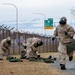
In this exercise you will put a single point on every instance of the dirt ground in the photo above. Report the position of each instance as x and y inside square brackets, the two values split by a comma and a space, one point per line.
[29, 67]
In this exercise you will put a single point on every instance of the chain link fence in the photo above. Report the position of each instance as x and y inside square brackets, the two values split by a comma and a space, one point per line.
[19, 37]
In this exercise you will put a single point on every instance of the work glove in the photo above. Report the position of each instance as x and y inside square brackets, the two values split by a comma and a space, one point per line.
[66, 33]
[38, 56]
[53, 38]
[25, 47]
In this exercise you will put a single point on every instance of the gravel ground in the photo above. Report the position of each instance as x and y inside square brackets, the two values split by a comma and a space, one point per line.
[33, 68]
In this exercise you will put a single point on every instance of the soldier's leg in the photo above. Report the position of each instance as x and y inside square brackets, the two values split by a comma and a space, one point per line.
[34, 54]
[62, 55]
[38, 55]
[22, 53]
[70, 56]
[7, 53]
[29, 53]
[1, 55]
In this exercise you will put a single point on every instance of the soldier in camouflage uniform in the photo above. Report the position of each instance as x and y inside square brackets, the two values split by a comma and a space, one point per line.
[4, 48]
[65, 35]
[32, 47]
[23, 52]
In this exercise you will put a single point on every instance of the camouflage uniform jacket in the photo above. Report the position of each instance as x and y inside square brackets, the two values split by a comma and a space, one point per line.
[31, 42]
[59, 31]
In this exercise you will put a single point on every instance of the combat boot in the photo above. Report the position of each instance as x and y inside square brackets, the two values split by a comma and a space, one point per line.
[70, 58]
[62, 66]
[1, 59]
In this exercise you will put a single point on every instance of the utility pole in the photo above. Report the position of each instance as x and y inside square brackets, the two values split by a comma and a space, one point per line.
[16, 13]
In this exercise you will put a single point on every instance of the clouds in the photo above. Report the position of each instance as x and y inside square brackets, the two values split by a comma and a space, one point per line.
[31, 3]
[33, 23]
[27, 20]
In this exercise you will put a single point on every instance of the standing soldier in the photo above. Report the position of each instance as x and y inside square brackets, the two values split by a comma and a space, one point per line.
[65, 35]
[5, 44]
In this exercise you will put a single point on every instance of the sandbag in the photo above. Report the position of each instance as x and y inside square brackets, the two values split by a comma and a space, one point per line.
[49, 59]
[14, 59]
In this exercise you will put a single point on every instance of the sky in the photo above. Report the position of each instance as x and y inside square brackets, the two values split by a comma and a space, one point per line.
[32, 13]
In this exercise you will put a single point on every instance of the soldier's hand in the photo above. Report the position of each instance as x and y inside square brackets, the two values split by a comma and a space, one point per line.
[53, 38]
[25, 47]
[65, 33]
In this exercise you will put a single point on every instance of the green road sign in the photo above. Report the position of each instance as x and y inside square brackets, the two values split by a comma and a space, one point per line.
[48, 24]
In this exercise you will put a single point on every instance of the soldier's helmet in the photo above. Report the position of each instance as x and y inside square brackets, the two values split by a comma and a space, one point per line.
[63, 20]
[8, 39]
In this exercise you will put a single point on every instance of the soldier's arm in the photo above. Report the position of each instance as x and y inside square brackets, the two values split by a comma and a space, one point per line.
[56, 32]
[32, 45]
[33, 48]
[8, 50]
[71, 32]
[3, 48]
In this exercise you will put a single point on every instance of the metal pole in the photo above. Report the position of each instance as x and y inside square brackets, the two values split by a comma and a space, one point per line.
[16, 13]
[43, 16]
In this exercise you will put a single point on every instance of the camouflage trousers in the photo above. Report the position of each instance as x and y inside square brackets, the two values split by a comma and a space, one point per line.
[63, 52]
[4, 53]
[31, 53]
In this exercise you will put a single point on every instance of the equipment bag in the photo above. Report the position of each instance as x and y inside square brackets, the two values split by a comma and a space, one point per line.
[70, 47]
